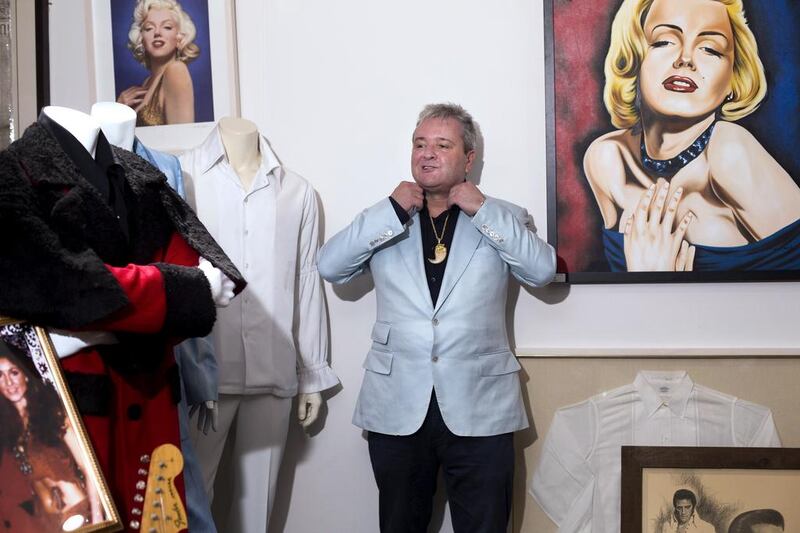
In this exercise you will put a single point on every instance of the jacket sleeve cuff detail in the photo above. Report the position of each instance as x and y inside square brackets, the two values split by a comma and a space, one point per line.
[190, 309]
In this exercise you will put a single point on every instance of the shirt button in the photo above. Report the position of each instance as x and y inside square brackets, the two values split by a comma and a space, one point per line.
[246, 232]
[435, 358]
[435, 321]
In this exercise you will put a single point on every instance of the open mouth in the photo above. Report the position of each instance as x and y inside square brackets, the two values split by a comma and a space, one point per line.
[428, 167]
[680, 84]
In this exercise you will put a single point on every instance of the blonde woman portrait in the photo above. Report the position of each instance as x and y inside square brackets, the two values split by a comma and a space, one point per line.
[679, 181]
[161, 60]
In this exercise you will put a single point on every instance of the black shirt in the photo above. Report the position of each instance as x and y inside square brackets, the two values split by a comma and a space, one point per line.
[433, 272]
[103, 172]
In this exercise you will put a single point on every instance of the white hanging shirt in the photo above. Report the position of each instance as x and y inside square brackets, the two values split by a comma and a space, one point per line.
[273, 337]
[577, 481]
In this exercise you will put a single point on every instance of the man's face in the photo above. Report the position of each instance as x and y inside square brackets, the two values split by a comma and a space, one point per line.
[438, 161]
[683, 511]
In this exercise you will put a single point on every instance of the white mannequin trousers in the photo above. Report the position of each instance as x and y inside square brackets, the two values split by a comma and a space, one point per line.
[257, 425]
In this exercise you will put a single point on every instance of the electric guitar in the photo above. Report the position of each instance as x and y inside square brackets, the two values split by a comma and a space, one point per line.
[163, 511]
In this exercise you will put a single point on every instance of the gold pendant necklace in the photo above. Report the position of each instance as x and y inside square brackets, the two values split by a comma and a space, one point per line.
[440, 250]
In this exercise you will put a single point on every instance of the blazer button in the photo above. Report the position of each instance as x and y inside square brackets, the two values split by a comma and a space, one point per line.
[134, 412]
[435, 321]
[435, 358]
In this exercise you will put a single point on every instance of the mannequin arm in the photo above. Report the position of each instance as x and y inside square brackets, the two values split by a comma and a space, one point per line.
[207, 416]
[308, 407]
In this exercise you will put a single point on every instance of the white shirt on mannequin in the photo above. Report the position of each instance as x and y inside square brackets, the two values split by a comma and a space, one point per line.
[577, 481]
[273, 338]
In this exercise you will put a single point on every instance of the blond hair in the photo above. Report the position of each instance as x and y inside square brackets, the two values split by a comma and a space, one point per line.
[187, 50]
[628, 47]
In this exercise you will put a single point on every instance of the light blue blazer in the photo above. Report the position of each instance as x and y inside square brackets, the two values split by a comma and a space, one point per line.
[459, 347]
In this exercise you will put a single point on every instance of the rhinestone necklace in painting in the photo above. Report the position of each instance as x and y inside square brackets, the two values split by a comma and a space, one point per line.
[669, 167]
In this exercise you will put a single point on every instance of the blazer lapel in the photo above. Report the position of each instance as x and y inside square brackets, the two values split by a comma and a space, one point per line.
[465, 241]
[410, 250]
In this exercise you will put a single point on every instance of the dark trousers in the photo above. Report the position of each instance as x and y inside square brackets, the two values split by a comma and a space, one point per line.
[478, 474]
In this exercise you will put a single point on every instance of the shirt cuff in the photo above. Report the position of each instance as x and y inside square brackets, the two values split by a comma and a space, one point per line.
[402, 214]
[316, 379]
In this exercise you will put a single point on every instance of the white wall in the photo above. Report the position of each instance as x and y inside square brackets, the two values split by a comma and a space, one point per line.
[336, 86]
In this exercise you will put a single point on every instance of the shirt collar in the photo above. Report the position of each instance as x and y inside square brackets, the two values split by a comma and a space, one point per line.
[673, 522]
[104, 157]
[212, 153]
[648, 384]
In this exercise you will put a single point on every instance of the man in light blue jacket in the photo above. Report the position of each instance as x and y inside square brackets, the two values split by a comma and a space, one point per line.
[441, 386]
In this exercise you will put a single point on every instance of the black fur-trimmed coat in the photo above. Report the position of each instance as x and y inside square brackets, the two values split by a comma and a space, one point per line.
[57, 232]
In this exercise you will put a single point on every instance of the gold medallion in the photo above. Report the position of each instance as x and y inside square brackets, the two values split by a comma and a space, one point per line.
[439, 254]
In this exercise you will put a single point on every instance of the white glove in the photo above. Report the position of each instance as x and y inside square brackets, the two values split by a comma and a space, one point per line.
[308, 406]
[207, 417]
[67, 343]
[221, 285]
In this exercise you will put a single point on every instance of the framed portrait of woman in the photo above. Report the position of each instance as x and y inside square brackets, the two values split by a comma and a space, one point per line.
[672, 147]
[50, 480]
[172, 61]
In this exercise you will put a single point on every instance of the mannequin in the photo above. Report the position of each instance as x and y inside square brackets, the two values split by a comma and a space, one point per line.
[83, 127]
[97, 243]
[118, 123]
[242, 190]
[241, 139]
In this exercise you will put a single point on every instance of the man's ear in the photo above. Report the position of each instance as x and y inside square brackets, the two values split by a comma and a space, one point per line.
[470, 161]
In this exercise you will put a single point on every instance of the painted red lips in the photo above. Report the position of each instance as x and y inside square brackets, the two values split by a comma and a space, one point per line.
[680, 84]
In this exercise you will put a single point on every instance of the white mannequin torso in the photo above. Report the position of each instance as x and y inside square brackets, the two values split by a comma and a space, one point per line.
[240, 138]
[117, 121]
[82, 126]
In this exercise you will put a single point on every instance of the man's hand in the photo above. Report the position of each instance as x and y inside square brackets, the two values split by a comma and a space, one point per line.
[308, 406]
[409, 195]
[467, 197]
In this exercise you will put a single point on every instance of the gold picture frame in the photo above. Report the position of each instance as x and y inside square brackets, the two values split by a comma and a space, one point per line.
[50, 479]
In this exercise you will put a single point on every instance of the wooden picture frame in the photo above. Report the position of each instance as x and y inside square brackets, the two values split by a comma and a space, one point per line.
[728, 484]
[24, 61]
[50, 480]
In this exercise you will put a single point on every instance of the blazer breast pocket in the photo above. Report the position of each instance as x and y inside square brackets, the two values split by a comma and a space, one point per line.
[380, 336]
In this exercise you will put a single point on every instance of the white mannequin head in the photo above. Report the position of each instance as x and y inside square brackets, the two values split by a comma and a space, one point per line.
[118, 122]
[82, 126]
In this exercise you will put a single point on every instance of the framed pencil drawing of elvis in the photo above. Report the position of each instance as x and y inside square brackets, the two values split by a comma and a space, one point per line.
[49, 477]
[709, 489]
[670, 156]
